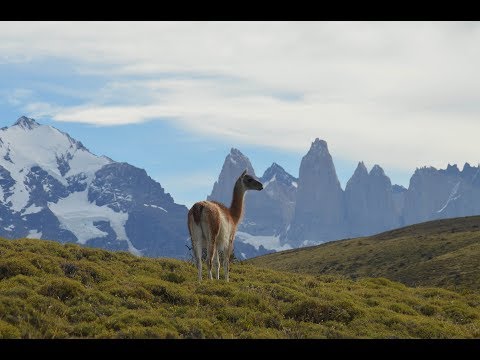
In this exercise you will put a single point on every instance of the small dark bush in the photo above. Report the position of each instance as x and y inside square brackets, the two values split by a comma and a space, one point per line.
[173, 277]
[62, 289]
[317, 312]
[10, 268]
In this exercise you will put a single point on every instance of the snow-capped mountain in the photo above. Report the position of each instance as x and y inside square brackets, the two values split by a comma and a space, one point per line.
[52, 187]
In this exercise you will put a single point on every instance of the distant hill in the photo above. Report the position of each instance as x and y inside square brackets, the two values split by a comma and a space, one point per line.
[53, 290]
[443, 253]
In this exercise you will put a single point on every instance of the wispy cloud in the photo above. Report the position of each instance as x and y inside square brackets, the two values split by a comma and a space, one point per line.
[400, 94]
[18, 96]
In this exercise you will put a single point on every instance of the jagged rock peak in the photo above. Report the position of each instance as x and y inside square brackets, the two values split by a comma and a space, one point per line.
[361, 169]
[425, 171]
[377, 171]
[319, 146]
[279, 173]
[360, 173]
[273, 169]
[236, 153]
[26, 123]
[466, 166]
[452, 169]
[235, 163]
[398, 189]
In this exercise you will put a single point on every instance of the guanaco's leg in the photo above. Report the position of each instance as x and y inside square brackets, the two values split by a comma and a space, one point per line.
[216, 261]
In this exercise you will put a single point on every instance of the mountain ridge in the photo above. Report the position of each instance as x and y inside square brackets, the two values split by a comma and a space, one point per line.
[50, 183]
[319, 210]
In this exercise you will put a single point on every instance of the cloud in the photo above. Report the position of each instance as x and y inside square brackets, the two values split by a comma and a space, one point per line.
[18, 96]
[402, 94]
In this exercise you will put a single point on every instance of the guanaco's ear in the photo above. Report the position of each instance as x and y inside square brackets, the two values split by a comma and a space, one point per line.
[244, 172]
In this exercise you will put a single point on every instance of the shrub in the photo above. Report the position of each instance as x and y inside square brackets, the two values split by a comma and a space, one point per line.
[124, 291]
[283, 293]
[427, 310]
[212, 301]
[62, 289]
[69, 269]
[460, 314]
[87, 330]
[173, 277]
[13, 267]
[402, 309]
[140, 332]
[199, 329]
[18, 291]
[273, 321]
[317, 312]
[81, 313]
[8, 331]
[246, 299]
[218, 289]
[170, 294]
[45, 264]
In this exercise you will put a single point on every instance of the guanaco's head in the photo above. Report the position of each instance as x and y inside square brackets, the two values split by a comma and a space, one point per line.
[249, 182]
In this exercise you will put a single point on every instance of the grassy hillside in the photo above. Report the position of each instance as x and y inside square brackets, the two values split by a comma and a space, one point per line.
[50, 290]
[443, 253]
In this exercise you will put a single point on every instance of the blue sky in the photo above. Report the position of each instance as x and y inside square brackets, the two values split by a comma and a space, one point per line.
[173, 98]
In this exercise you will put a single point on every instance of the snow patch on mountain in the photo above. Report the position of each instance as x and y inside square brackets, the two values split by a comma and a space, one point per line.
[451, 197]
[32, 209]
[268, 242]
[20, 195]
[78, 215]
[266, 183]
[34, 234]
[28, 144]
[155, 206]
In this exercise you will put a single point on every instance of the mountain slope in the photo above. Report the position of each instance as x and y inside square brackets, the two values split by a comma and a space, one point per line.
[52, 290]
[439, 194]
[442, 253]
[369, 202]
[52, 187]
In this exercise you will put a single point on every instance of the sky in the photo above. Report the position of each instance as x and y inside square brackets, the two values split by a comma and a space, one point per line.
[174, 97]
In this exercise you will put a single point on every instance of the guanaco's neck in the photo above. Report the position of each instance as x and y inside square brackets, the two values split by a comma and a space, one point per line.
[236, 208]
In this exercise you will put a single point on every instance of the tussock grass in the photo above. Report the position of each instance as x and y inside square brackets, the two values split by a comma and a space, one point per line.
[50, 290]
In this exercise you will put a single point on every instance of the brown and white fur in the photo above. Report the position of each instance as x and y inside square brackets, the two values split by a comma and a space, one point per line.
[212, 226]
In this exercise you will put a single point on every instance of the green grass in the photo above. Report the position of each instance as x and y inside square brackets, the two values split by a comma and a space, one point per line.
[444, 253]
[50, 290]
